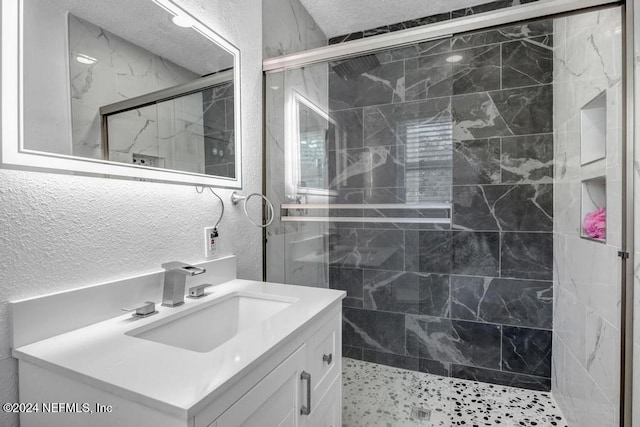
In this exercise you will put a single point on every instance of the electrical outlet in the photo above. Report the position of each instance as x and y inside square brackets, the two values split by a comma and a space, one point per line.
[211, 243]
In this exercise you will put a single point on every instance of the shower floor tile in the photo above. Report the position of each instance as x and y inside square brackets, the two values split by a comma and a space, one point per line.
[377, 395]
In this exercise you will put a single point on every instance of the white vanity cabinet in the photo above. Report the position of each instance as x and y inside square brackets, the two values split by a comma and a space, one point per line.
[284, 373]
[302, 391]
[274, 401]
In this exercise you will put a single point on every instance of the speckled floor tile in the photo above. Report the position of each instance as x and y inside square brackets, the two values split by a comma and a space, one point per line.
[377, 395]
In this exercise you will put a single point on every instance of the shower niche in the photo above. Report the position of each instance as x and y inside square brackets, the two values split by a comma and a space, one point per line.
[593, 124]
[593, 152]
[594, 202]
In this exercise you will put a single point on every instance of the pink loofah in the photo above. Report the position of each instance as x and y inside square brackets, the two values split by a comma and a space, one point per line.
[595, 225]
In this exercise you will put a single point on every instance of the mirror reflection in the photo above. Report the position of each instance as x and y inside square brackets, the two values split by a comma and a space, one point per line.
[314, 132]
[143, 86]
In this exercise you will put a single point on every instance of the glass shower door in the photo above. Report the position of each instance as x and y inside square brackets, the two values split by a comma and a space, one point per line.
[466, 195]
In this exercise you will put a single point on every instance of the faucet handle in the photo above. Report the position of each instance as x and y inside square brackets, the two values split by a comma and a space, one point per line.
[198, 291]
[148, 308]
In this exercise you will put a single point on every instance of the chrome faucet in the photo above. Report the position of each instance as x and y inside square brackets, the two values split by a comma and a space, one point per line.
[175, 278]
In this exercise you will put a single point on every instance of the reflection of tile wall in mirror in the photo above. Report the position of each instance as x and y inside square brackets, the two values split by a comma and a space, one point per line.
[120, 70]
[129, 60]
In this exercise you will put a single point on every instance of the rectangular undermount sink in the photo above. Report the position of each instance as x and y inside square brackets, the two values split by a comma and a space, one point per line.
[210, 325]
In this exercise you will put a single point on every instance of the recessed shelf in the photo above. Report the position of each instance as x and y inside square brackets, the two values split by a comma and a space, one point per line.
[593, 125]
[594, 202]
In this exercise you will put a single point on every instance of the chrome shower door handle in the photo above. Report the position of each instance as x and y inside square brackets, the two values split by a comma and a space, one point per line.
[305, 376]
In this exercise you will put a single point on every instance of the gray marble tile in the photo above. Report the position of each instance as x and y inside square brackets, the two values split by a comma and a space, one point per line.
[476, 116]
[349, 130]
[382, 166]
[435, 250]
[214, 117]
[504, 34]
[367, 248]
[390, 359]
[434, 367]
[395, 291]
[504, 207]
[527, 255]
[483, 8]
[346, 279]
[478, 70]
[460, 252]
[374, 330]
[415, 50]
[527, 159]
[385, 195]
[527, 110]
[521, 111]
[475, 253]
[476, 162]
[353, 302]
[387, 166]
[412, 250]
[502, 378]
[526, 351]
[527, 62]
[428, 77]
[423, 123]
[349, 168]
[352, 352]
[469, 343]
[504, 301]
[382, 85]
[434, 294]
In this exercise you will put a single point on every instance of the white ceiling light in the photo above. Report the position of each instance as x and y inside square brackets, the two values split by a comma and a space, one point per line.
[86, 59]
[454, 58]
[182, 21]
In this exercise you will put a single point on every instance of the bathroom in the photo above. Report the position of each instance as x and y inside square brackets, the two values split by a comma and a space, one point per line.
[465, 270]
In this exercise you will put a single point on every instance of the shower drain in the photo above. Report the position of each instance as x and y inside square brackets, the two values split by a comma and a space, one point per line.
[420, 414]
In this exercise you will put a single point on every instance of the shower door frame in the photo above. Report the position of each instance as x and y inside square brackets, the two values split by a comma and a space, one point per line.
[497, 18]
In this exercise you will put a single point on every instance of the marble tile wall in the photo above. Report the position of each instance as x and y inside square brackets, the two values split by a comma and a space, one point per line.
[124, 70]
[218, 125]
[472, 300]
[586, 274]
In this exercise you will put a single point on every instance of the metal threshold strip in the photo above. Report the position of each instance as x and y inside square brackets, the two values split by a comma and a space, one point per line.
[439, 30]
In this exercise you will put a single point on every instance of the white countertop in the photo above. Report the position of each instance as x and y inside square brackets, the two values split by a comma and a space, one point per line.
[172, 379]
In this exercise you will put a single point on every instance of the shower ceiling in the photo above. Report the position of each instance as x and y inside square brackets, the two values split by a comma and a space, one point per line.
[338, 17]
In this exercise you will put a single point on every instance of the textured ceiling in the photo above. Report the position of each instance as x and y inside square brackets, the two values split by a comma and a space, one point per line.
[338, 17]
[147, 25]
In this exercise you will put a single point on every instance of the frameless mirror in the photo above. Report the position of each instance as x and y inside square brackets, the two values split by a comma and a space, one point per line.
[139, 89]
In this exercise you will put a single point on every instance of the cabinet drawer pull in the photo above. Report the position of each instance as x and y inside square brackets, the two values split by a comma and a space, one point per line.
[327, 358]
[305, 376]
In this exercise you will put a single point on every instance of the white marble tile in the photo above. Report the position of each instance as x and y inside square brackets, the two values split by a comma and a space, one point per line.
[569, 318]
[603, 355]
[134, 131]
[289, 28]
[123, 70]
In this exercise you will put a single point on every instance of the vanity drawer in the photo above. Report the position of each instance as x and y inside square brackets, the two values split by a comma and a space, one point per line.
[325, 357]
[328, 411]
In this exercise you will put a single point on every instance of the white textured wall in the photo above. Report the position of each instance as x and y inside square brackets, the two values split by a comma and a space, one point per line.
[586, 340]
[62, 231]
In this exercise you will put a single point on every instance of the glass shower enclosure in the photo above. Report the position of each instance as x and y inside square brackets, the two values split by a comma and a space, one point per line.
[466, 192]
